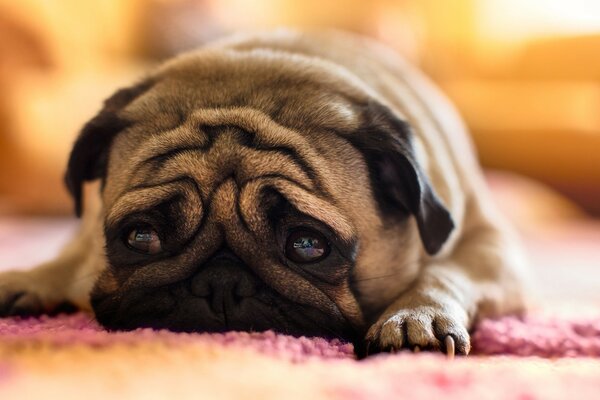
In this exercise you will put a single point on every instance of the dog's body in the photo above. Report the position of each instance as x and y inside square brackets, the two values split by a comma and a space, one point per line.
[226, 164]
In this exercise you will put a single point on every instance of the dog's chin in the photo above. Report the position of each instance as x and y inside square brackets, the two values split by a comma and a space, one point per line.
[176, 309]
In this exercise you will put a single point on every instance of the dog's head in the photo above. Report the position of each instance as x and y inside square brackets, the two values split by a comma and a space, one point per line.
[251, 192]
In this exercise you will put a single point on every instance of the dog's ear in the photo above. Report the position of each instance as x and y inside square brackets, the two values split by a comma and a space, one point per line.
[398, 183]
[89, 155]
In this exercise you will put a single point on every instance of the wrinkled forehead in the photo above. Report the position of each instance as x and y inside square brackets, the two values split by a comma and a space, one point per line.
[261, 121]
[215, 146]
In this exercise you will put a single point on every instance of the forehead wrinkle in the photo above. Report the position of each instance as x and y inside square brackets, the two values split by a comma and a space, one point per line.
[159, 144]
[226, 157]
[136, 200]
[144, 198]
[167, 153]
[300, 197]
[255, 163]
[268, 133]
[318, 208]
[249, 159]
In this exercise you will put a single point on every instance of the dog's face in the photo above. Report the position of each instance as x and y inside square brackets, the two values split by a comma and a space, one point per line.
[244, 192]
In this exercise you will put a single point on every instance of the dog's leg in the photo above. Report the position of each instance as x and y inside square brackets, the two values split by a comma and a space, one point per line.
[67, 279]
[480, 279]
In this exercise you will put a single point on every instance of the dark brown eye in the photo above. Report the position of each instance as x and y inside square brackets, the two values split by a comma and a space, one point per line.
[306, 246]
[145, 240]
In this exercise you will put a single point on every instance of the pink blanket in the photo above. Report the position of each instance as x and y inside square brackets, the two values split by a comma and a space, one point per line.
[71, 357]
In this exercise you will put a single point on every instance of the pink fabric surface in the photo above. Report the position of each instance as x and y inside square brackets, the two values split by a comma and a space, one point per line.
[67, 330]
[66, 356]
[542, 337]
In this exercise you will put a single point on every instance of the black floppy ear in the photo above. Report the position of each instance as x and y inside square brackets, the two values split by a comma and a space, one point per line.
[399, 184]
[89, 155]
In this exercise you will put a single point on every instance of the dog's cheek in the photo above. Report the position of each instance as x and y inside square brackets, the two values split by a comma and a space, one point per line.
[105, 285]
[348, 304]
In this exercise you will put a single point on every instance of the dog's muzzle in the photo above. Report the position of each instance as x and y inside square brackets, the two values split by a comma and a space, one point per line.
[225, 283]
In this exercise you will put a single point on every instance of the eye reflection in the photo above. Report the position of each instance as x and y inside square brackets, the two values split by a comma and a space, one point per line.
[306, 246]
[144, 240]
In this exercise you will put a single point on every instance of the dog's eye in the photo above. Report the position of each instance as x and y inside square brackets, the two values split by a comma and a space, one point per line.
[145, 240]
[306, 246]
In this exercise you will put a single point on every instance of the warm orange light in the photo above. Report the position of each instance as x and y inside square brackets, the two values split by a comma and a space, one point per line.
[515, 20]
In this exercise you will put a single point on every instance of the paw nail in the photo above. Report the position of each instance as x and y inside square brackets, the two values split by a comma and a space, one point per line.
[450, 348]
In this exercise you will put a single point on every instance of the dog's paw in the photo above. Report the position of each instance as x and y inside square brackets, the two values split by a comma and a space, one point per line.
[22, 295]
[435, 327]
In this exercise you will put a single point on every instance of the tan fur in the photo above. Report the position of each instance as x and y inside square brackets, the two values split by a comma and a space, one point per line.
[323, 75]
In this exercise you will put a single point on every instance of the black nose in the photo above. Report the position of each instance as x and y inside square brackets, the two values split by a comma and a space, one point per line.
[225, 283]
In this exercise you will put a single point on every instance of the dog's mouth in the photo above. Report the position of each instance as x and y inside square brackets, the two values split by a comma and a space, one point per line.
[223, 296]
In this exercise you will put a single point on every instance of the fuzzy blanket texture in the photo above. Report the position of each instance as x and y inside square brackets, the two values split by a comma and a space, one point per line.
[554, 353]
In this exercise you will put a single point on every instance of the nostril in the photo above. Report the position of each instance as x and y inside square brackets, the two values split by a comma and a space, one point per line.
[218, 300]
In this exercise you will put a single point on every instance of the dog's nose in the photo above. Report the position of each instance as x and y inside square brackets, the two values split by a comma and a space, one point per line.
[224, 284]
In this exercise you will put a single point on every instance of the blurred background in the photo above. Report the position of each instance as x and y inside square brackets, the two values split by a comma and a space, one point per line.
[525, 74]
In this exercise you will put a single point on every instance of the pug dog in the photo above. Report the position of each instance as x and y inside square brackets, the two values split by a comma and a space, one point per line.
[308, 183]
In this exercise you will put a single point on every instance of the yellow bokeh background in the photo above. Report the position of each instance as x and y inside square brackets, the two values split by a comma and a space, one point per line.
[524, 74]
